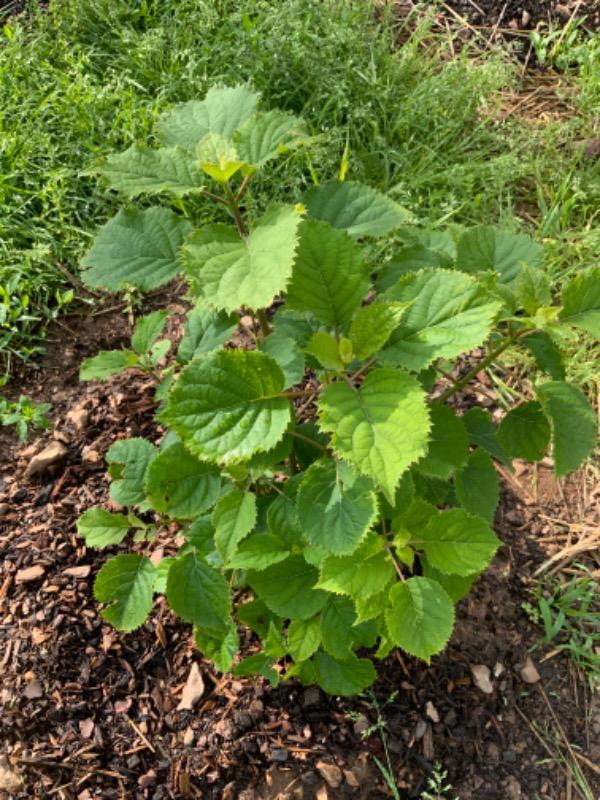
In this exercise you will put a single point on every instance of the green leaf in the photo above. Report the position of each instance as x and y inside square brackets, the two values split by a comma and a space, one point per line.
[450, 314]
[448, 445]
[303, 638]
[218, 157]
[361, 575]
[200, 535]
[288, 588]
[259, 664]
[206, 330]
[487, 248]
[125, 582]
[482, 432]
[324, 347]
[234, 517]
[106, 363]
[147, 330]
[457, 586]
[345, 678]
[581, 302]
[225, 405]
[477, 488]
[283, 522]
[223, 111]
[330, 276]
[337, 620]
[140, 170]
[458, 543]
[524, 432]
[179, 485]
[533, 289]
[287, 354]
[199, 594]
[547, 355]
[267, 135]
[420, 617]
[259, 552]
[228, 272]
[136, 247]
[381, 428]
[335, 509]
[574, 424]
[162, 573]
[101, 529]
[221, 650]
[410, 259]
[373, 325]
[354, 207]
[129, 460]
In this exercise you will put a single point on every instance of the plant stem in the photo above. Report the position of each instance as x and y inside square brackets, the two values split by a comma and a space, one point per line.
[459, 384]
[261, 316]
[292, 393]
[243, 187]
[308, 440]
[390, 552]
[235, 210]
[215, 198]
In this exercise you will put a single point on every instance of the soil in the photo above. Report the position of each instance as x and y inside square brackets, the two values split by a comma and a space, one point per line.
[89, 712]
[514, 15]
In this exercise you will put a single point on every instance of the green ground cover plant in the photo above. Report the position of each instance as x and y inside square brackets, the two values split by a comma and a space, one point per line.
[80, 77]
[330, 496]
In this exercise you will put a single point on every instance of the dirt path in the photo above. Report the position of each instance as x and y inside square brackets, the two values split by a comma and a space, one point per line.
[89, 712]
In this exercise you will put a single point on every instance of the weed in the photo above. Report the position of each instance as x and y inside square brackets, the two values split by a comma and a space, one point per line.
[24, 414]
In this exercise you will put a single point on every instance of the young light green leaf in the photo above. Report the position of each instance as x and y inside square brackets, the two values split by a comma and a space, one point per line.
[335, 513]
[303, 638]
[140, 170]
[324, 347]
[345, 678]
[234, 517]
[381, 428]
[179, 485]
[267, 135]
[450, 314]
[532, 287]
[547, 355]
[125, 582]
[482, 432]
[574, 424]
[330, 276]
[287, 354]
[288, 588]
[581, 302]
[524, 432]
[106, 363]
[221, 650]
[337, 619]
[199, 594]
[223, 111]
[361, 575]
[206, 330]
[218, 157]
[136, 247]
[259, 552]
[476, 486]
[225, 405]
[373, 325]
[458, 543]
[227, 271]
[356, 208]
[448, 444]
[420, 617]
[147, 330]
[457, 586]
[129, 460]
[101, 528]
[487, 248]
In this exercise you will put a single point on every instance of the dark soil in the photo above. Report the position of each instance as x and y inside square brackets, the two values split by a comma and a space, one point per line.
[90, 712]
[517, 15]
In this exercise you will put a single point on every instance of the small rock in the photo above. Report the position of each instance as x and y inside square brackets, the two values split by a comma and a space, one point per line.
[149, 779]
[498, 669]
[311, 697]
[420, 729]
[525, 18]
[79, 572]
[247, 321]
[34, 690]
[278, 754]
[331, 774]
[563, 11]
[10, 780]
[54, 454]
[79, 419]
[30, 574]
[351, 779]
[90, 457]
[4, 509]
[509, 756]
[193, 689]
[481, 677]
[431, 712]
[528, 671]
[86, 727]
[188, 737]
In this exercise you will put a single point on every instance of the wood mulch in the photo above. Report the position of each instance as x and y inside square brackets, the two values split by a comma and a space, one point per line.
[89, 712]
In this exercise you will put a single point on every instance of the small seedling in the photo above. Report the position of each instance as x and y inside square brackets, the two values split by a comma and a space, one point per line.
[23, 414]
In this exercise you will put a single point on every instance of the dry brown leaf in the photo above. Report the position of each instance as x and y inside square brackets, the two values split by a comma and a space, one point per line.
[193, 689]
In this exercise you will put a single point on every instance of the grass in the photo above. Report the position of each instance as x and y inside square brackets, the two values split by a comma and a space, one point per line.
[90, 76]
